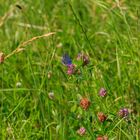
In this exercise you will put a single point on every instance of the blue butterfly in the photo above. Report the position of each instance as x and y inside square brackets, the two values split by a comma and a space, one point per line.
[66, 60]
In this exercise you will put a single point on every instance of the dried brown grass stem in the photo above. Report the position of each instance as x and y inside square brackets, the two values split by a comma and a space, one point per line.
[25, 43]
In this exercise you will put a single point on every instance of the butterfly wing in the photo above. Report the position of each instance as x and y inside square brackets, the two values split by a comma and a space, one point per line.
[66, 60]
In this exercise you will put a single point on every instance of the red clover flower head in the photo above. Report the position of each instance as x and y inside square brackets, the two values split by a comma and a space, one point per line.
[84, 103]
[101, 116]
[102, 138]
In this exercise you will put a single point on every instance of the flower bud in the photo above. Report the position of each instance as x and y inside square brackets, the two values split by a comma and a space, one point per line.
[1, 57]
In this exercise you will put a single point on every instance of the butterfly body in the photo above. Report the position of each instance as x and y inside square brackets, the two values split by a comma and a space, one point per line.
[66, 60]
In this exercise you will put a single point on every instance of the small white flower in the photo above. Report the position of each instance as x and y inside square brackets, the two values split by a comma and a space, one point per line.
[18, 84]
[51, 95]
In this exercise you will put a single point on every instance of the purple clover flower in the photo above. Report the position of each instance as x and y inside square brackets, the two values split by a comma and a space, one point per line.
[102, 92]
[123, 113]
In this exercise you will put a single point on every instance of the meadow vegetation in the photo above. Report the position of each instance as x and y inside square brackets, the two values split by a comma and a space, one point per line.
[69, 69]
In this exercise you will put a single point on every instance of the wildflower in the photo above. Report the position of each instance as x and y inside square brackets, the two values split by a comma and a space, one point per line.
[1, 57]
[85, 60]
[123, 112]
[66, 60]
[102, 138]
[101, 116]
[81, 131]
[18, 84]
[84, 103]
[102, 92]
[51, 95]
[71, 69]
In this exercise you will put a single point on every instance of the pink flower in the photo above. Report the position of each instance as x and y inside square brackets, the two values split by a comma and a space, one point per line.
[102, 92]
[71, 69]
[81, 131]
[123, 112]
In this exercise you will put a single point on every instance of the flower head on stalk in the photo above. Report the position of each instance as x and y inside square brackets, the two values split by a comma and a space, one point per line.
[81, 131]
[84, 58]
[123, 113]
[85, 103]
[102, 92]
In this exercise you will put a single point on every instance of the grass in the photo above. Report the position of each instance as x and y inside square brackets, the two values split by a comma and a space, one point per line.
[107, 31]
